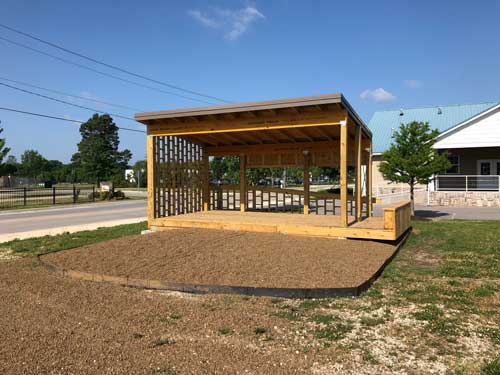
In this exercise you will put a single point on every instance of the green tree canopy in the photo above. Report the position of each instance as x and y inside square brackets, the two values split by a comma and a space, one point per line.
[142, 166]
[225, 167]
[33, 164]
[98, 155]
[3, 153]
[411, 158]
[10, 167]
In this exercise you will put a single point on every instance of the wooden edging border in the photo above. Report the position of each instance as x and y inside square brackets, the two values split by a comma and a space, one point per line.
[303, 293]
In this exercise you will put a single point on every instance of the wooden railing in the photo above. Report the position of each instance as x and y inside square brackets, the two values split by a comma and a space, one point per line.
[397, 217]
[263, 198]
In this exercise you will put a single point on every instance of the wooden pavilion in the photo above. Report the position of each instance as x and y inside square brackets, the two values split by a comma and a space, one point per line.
[310, 131]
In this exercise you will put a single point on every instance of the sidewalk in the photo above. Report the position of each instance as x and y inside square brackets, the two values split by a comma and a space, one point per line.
[463, 213]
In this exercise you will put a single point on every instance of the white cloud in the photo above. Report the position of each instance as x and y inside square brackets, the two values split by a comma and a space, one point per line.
[203, 19]
[234, 23]
[378, 95]
[413, 83]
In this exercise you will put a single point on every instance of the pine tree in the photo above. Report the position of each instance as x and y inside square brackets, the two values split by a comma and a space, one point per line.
[99, 157]
[411, 158]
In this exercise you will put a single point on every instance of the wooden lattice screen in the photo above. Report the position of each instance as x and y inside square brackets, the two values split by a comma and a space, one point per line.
[177, 176]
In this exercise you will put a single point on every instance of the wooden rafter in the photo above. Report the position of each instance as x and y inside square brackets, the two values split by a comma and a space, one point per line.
[325, 133]
[305, 134]
[288, 136]
[215, 140]
[273, 137]
[252, 136]
[201, 140]
[233, 139]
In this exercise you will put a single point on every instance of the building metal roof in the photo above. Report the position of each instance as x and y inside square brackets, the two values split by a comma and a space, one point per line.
[442, 118]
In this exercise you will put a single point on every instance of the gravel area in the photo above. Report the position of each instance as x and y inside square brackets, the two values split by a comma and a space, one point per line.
[55, 325]
[203, 256]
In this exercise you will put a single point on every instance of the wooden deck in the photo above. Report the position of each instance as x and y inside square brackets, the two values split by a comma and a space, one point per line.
[389, 227]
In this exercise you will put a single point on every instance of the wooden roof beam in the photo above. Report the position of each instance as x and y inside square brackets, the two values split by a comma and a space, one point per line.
[232, 139]
[274, 138]
[250, 138]
[264, 137]
[288, 136]
[215, 140]
[201, 140]
[283, 120]
[281, 147]
[305, 134]
[325, 133]
[228, 116]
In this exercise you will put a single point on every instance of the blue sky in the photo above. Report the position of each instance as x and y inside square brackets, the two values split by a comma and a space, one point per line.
[379, 54]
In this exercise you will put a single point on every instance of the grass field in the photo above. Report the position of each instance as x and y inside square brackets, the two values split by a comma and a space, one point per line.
[435, 309]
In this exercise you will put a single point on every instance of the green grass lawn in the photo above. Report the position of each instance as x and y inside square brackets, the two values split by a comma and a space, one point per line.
[46, 244]
[438, 299]
[450, 272]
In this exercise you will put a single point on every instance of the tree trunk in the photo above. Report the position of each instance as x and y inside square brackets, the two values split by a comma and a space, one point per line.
[412, 197]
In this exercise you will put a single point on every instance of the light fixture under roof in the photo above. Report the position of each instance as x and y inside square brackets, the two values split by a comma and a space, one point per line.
[401, 113]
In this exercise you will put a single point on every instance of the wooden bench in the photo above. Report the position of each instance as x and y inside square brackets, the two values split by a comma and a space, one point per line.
[397, 218]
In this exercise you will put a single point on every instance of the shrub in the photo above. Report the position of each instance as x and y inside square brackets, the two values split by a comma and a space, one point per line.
[94, 195]
[118, 194]
[105, 195]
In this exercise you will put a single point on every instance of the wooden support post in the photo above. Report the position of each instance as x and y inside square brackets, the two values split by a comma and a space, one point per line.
[243, 183]
[205, 185]
[151, 179]
[306, 182]
[358, 149]
[369, 181]
[343, 172]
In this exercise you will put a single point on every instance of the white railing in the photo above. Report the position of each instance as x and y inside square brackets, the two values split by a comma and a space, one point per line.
[467, 183]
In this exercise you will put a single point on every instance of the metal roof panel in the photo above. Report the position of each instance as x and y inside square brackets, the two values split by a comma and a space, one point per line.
[442, 118]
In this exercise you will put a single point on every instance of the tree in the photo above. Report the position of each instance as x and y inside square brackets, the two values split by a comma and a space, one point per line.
[3, 153]
[411, 158]
[10, 167]
[141, 166]
[52, 171]
[225, 167]
[33, 164]
[217, 168]
[99, 156]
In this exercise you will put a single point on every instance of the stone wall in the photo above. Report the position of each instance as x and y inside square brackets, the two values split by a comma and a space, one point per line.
[465, 199]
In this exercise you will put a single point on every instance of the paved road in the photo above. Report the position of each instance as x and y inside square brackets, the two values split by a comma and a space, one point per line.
[35, 222]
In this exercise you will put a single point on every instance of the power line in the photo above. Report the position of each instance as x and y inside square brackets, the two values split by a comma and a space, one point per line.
[112, 66]
[62, 118]
[101, 72]
[72, 95]
[64, 102]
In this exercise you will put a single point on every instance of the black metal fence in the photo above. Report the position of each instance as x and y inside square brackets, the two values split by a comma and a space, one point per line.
[29, 196]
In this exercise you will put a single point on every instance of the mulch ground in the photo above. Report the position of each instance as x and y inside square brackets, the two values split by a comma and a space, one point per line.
[203, 256]
[55, 325]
